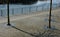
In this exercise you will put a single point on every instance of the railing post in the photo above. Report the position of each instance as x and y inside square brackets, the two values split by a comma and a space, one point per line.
[1, 13]
[22, 10]
[29, 9]
[56, 5]
[36, 8]
[42, 8]
[12, 11]
[59, 4]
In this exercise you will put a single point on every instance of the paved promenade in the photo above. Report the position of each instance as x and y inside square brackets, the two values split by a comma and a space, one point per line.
[31, 25]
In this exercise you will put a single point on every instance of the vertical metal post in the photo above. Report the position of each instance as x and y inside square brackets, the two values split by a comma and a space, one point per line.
[8, 13]
[50, 14]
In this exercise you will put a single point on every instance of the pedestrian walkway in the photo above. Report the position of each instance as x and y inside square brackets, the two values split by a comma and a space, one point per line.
[18, 17]
[30, 25]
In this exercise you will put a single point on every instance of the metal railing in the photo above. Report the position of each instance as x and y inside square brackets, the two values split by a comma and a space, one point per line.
[27, 10]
